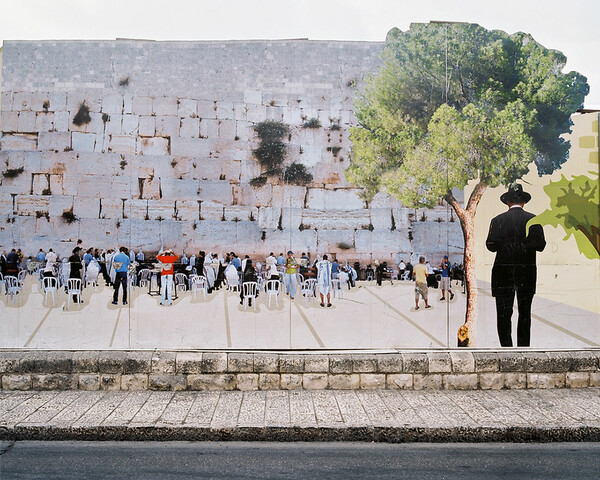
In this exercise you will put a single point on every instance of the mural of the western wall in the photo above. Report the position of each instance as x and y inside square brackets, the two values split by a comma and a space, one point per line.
[165, 157]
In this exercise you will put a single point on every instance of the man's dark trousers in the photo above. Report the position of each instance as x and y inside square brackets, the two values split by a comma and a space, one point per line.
[120, 279]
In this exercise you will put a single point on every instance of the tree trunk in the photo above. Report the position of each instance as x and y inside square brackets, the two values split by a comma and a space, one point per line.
[467, 332]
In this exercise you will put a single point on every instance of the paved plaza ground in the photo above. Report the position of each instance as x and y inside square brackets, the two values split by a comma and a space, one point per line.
[366, 317]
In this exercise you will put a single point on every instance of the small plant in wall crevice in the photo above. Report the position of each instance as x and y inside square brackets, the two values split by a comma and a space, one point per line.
[82, 117]
[68, 216]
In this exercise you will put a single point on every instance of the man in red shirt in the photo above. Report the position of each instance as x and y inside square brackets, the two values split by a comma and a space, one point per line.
[168, 258]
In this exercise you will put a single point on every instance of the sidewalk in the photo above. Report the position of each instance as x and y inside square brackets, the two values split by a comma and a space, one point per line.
[318, 415]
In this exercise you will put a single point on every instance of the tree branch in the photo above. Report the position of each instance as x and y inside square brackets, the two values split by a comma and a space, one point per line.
[475, 197]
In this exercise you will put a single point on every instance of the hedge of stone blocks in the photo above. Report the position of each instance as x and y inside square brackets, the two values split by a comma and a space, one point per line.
[191, 370]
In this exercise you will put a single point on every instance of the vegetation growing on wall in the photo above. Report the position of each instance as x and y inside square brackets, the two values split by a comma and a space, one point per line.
[296, 174]
[12, 172]
[82, 117]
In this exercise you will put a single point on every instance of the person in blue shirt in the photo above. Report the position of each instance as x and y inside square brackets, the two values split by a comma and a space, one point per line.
[88, 257]
[121, 264]
[237, 263]
[281, 259]
[41, 256]
[445, 266]
[335, 268]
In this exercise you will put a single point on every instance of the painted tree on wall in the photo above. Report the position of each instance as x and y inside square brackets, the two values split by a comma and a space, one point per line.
[454, 104]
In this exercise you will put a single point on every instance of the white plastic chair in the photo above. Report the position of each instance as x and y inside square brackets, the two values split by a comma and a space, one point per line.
[199, 283]
[180, 281]
[336, 288]
[91, 277]
[73, 288]
[13, 287]
[144, 274]
[308, 289]
[272, 288]
[249, 292]
[22, 275]
[50, 286]
[233, 282]
[2, 283]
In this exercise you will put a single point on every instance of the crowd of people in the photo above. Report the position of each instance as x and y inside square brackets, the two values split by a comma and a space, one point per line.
[121, 267]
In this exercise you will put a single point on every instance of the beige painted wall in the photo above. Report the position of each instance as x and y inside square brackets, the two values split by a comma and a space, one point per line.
[564, 274]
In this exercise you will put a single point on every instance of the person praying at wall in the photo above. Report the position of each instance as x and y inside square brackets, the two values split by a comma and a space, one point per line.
[324, 280]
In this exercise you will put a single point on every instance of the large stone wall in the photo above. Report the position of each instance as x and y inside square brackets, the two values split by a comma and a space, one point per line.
[167, 155]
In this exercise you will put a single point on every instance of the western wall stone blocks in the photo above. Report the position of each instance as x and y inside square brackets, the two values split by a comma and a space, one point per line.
[372, 381]
[167, 126]
[577, 379]
[16, 382]
[121, 144]
[189, 127]
[167, 382]
[291, 381]
[545, 380]
[491, 381]
[594, 379]
[247, 381]
[431, 381]
[112, 104]
[266, 362]
[211, 382]
[165, 106]
[130, 124]
[89, 381]
[439, 362]
[141, 105]
[9, 121]
[191, 147]
[214, 362]
[467, 381]
[486, 361]
[187, 107]
[344, 382]
[147, 126]
[269, 381]
[163, 362]
[83, 142]
[415, 362]
[189, 362]
[58, 362]
[19, 141]
[402, 381]
[291, 363]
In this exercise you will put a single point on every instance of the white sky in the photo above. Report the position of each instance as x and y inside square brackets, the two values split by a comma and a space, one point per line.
[570, 26]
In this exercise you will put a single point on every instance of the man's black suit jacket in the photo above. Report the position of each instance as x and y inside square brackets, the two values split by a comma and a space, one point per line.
[514, 267]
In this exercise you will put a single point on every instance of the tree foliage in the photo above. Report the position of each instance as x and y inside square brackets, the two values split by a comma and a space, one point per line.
[575, 206]
[457, 102]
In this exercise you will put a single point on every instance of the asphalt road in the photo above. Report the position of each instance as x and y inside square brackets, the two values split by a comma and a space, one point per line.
[166, 460]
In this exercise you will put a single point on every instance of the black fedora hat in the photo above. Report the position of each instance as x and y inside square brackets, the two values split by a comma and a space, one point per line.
[515, 194]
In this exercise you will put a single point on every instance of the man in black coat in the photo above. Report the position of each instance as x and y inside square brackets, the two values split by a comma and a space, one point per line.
[514, 268]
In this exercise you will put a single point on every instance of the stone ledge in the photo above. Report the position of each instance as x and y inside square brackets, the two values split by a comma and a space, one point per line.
[185, 370]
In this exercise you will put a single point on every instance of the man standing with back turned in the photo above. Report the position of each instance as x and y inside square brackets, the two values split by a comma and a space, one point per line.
[514, 269]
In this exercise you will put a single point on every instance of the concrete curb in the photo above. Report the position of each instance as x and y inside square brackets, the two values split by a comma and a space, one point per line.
[306, 434]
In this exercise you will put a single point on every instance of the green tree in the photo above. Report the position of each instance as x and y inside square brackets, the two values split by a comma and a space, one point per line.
[456, 103]
[575, 206]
